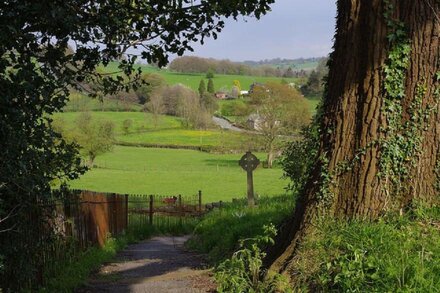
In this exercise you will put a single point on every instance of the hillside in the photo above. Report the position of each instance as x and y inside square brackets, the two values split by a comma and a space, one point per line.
[307, 64]
[192, 80]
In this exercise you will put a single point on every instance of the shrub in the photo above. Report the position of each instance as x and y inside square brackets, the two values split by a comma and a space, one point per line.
[244, 272]
[126, 125]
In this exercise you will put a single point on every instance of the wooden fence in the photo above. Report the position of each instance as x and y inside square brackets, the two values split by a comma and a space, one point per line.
[90, 217]
[94, 216]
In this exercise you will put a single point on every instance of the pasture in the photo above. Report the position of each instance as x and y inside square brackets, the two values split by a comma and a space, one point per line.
[169, 172]
[168, 131]
[192, 80]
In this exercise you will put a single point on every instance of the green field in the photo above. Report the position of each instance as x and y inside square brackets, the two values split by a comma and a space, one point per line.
[170, 172]
[169, 131]
[193, 80]
[313, 104]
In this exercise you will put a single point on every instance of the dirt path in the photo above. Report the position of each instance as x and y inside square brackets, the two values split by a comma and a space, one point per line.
[160, 264]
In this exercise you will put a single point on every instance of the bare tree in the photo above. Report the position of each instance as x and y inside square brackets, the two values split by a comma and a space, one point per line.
[156, 107]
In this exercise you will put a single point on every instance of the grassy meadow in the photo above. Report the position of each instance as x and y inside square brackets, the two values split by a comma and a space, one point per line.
[192, 80]
[168, 131]
[168, 172]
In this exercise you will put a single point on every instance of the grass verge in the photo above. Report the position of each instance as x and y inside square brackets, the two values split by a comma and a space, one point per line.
[219, 232]
[74, 270]
[393, 254]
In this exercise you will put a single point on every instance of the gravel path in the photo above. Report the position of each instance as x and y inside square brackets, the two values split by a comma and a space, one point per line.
[160, 264]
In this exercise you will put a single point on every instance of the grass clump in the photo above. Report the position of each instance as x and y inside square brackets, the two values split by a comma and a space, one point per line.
[74, 270]
[393, 254]
[219, 232]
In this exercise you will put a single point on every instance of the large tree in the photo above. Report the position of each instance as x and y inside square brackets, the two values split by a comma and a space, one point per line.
[378, 130]
[37, 72]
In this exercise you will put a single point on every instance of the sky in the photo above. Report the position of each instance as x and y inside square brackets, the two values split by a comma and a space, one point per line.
[293, 29]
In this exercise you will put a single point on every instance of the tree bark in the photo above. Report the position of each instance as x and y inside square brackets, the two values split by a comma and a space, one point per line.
[270, 155]
[354, 119]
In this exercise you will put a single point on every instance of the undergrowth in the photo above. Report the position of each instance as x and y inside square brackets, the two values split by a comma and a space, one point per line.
[72, 272]
[394, 254]
[219, 232]
[244, 271]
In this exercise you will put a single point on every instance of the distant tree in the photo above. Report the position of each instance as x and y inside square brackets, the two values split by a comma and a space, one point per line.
[237, 84]
[281, 110]
[94, 137]
[289, 73]
[315, 85]
[183, 102]
[235, 92]
[191, 64]
[209, 103]
[156, 107]
[211, 89]
[172, 97]
[153, 82]
[202, 88]
[210, 73]
[126, 125]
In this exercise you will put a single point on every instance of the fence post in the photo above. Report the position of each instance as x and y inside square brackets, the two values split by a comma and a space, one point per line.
[151, 209]
[180, 209]
[126, 212]
[200, 201]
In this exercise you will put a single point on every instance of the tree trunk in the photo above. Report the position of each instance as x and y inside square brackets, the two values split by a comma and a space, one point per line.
[356, 123]
[270, 156]
[91, 160]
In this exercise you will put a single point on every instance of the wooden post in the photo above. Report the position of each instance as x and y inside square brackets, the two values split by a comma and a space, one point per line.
[200, 201]
[151, 209]
[249, 163]
[126, 212]
[180, 209]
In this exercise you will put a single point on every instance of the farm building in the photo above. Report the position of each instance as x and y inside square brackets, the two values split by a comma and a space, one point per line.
[221, 95]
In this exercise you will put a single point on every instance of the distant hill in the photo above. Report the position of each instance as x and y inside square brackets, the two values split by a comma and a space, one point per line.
[192, 80]
[306, 64]
[194, 64]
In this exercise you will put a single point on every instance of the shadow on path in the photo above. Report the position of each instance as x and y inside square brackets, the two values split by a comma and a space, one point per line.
[160, 264]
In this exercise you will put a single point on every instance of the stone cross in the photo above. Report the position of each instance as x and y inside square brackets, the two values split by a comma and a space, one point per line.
[249, 163]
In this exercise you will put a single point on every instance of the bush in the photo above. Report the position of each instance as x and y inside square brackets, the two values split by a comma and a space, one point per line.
[126, 125]
[235, 108]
